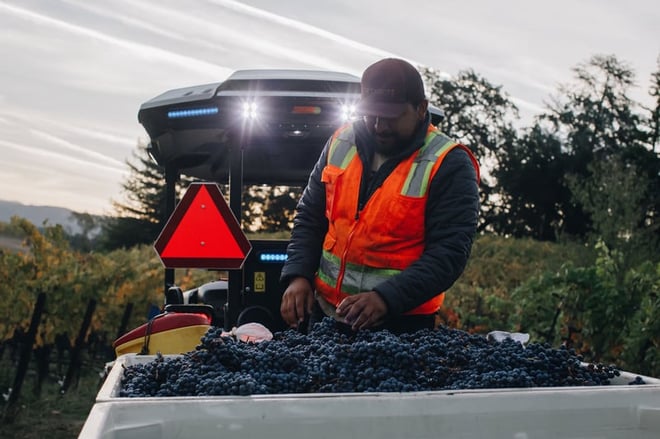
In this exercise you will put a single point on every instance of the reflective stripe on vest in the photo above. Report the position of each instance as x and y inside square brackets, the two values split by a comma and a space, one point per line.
[356, 277]
[418, 178]
[342, 150]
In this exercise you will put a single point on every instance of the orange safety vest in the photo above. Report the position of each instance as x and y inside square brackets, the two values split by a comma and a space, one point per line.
[360, 252]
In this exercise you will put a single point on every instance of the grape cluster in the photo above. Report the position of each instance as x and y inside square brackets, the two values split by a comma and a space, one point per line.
[637, 380]
[332, 359]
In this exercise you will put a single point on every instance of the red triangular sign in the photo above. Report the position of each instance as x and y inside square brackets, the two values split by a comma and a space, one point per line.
[202, 232]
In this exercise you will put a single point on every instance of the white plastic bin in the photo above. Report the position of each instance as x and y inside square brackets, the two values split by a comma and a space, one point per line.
[619, 411]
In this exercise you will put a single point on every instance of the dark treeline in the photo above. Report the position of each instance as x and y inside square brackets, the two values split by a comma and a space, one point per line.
[588, 167]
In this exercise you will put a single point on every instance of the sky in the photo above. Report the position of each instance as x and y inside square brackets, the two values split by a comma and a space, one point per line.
[75, 72]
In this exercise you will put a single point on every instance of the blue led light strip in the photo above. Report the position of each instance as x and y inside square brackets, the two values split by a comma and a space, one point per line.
[272, 257]
[192, 112]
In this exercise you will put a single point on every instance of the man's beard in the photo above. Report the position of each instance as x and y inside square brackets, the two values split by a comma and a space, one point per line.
[391, 148]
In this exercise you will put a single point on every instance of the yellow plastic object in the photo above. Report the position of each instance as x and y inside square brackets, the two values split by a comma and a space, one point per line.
[167, 333]
[172, 341]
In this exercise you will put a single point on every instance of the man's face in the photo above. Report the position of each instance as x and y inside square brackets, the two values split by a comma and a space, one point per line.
[393, 134]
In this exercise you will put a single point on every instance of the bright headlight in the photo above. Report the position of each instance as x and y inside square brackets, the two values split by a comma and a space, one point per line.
[249, 110]
[347, 112]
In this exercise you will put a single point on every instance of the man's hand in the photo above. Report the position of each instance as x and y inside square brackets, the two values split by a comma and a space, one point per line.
[363, 310]
[297, 301]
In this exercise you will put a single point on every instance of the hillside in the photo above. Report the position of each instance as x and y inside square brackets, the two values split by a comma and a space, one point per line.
[38, 214]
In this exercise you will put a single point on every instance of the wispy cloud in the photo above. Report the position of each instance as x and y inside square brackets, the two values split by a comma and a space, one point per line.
[300, 26]
[77, 149]
[54, 157]
[219, 28]
[111, 11]
[148, 52]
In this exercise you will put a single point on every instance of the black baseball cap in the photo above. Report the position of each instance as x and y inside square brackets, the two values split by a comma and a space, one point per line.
[387, 86]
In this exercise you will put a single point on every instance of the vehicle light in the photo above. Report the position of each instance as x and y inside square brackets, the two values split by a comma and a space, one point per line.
[348, 112]
[272, 257]
[192, 112]
[306, 109]
[250, 110]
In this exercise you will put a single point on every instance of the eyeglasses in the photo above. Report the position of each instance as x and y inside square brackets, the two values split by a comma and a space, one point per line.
[377, 120]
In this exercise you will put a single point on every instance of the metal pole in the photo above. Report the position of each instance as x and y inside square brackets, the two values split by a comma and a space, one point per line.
[171, 177]
[235, 280]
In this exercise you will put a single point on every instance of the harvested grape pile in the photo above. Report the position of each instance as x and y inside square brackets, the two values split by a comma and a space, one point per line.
[330, 359]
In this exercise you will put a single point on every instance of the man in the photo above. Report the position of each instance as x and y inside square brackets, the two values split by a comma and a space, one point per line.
[386, 222]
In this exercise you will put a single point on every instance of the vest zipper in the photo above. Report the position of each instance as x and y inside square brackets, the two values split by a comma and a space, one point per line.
[357, 212]
[342, 266]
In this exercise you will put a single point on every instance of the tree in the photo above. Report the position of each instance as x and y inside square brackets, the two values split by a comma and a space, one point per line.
[480, 115]
[477, 113]
[596, 120]
[270, 209]
[647, 161]
[592, 120]
[654, 113]
[89, 227]
[614, 197]
[527, 187]
[141, 217]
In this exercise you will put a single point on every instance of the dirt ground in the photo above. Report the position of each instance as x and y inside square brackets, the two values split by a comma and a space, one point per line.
[49, 415]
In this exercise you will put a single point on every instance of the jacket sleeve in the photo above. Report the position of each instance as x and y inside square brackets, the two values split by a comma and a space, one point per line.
[309, 228]
[450, 225]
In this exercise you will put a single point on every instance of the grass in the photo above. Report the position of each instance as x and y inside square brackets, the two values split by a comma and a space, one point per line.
[50, 414]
